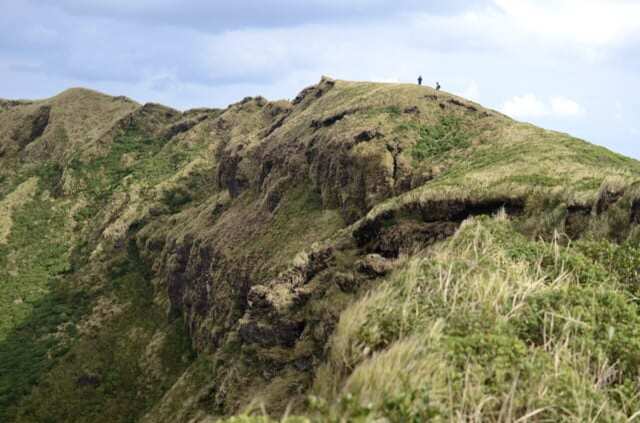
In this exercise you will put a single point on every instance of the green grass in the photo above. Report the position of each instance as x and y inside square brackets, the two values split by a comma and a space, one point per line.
[34, 297]
[434, 141]
[49, 175]
[35, 254]
[33, 346]
[619, 261]
[492, 325]
[289, 230]
[594, 155]
[176, 198]
[103, 175]
[123, 388]
[534, 180]
[393, 112]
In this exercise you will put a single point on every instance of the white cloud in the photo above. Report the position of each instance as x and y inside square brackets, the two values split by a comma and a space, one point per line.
[472, 91]
[525, 106]
[530, 106]
[565, 107]
[595, 23]
[538, 30]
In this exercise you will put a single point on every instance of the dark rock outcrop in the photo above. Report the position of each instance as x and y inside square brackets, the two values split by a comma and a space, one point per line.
[32, 127]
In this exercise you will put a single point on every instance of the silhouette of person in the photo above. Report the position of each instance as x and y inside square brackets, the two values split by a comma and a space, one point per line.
[420, 80]
[437, 86]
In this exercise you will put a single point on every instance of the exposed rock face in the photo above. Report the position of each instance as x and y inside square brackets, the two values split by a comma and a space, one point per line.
[32, 127]
[374, 265]
[262, 152]
[258, 155]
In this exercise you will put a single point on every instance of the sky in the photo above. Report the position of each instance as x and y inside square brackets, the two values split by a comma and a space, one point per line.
[568, 65]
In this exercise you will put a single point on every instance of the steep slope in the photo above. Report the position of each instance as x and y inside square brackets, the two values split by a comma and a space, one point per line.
[168, 266]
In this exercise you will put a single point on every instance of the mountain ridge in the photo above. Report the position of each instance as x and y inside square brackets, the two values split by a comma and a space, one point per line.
[183, 266]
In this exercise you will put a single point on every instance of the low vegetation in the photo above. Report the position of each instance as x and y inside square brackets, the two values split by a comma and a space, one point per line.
[434, 141]
[128, 357]
[490, 326]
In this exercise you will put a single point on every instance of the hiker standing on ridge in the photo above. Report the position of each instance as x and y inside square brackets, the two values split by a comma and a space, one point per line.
[420, 80]
[437, 86]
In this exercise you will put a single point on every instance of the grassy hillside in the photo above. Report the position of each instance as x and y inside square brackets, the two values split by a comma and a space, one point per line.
[362, 252]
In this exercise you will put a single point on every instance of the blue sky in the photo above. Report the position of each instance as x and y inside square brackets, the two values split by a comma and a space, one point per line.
[569, 65]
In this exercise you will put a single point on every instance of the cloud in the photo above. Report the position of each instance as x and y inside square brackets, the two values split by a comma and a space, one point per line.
[251, 41]
[525, 106]
[189, 53]
[219, 16]
[530, 106]
[565, 107]
[472, 91]
[538, 31]
[595, 23]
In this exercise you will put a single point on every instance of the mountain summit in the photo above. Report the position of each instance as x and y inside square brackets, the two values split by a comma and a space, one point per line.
[364, 252]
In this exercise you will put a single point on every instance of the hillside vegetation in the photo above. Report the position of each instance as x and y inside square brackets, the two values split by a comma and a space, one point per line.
[365, 252]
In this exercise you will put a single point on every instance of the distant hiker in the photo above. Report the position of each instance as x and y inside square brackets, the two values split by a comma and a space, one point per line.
[420, 80]
[437, 86]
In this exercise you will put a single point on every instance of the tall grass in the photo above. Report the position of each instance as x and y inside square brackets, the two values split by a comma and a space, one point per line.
[489, 326]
